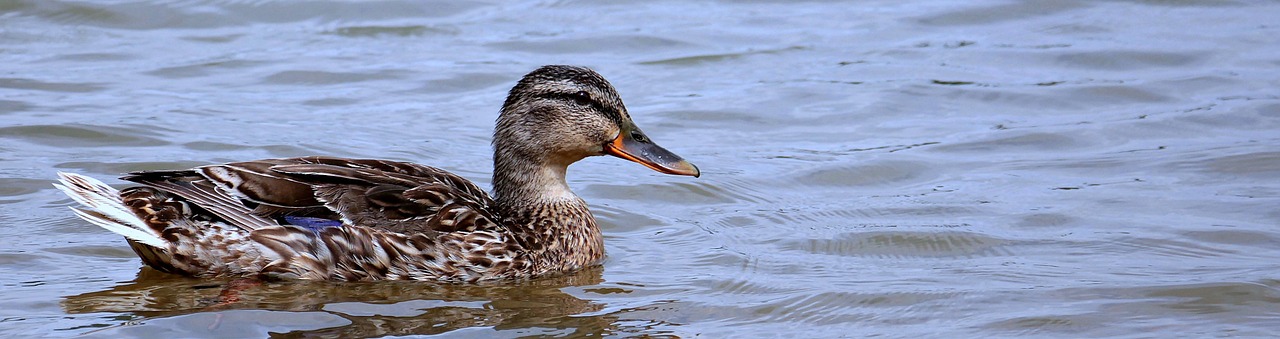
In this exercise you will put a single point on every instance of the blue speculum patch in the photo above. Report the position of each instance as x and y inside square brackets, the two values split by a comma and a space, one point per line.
[313, 224]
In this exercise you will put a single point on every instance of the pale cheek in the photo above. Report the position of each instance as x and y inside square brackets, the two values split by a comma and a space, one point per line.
[575, 145]
[589, 146]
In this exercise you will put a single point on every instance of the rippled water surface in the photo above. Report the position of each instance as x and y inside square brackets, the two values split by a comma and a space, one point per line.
[931, 168]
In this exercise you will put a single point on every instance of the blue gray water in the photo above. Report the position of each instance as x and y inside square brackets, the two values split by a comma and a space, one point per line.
[902, 169]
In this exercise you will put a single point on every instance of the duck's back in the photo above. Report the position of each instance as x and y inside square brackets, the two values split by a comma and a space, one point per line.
[395, 196]
[312, 218]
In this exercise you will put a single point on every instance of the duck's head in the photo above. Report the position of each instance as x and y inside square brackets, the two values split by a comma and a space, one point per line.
[557, 115]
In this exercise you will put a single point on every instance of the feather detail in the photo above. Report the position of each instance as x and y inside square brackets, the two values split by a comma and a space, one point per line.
[107, 209]
[202, 192]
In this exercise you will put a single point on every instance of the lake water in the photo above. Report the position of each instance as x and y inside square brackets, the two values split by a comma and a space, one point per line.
[870, 168]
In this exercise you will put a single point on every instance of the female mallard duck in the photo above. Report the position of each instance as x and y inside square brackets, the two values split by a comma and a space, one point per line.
[325, 218]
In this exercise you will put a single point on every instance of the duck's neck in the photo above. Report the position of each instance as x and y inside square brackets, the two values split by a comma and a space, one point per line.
[554, 224]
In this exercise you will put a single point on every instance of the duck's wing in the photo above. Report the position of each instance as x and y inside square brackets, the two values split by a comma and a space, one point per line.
[395, 196]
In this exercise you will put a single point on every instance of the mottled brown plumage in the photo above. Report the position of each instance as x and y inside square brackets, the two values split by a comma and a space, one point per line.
[326, 218]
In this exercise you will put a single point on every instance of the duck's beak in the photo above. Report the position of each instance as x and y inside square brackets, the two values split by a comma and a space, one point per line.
[649, 154]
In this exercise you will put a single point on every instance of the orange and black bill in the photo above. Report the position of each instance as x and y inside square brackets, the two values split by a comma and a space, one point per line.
[633, 145]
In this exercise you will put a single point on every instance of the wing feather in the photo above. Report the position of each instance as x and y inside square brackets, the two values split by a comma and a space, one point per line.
[393, 196]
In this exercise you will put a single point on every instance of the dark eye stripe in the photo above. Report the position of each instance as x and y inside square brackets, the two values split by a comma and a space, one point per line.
[576, 99]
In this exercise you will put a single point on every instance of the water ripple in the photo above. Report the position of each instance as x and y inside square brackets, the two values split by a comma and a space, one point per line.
[75, 136]
[38, 85]
[901, 245]
[1128, 60]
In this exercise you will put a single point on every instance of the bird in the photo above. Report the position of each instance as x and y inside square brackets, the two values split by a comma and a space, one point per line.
[340, 219]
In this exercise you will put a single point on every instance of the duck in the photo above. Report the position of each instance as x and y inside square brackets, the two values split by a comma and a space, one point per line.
[341, 219]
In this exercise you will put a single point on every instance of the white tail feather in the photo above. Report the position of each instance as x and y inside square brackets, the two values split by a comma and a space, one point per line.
[106, 209]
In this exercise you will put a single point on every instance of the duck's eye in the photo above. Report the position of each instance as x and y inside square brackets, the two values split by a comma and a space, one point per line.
[582, 98]
[638, 137]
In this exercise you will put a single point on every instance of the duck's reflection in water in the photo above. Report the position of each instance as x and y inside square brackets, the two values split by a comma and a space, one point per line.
[370, 309]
